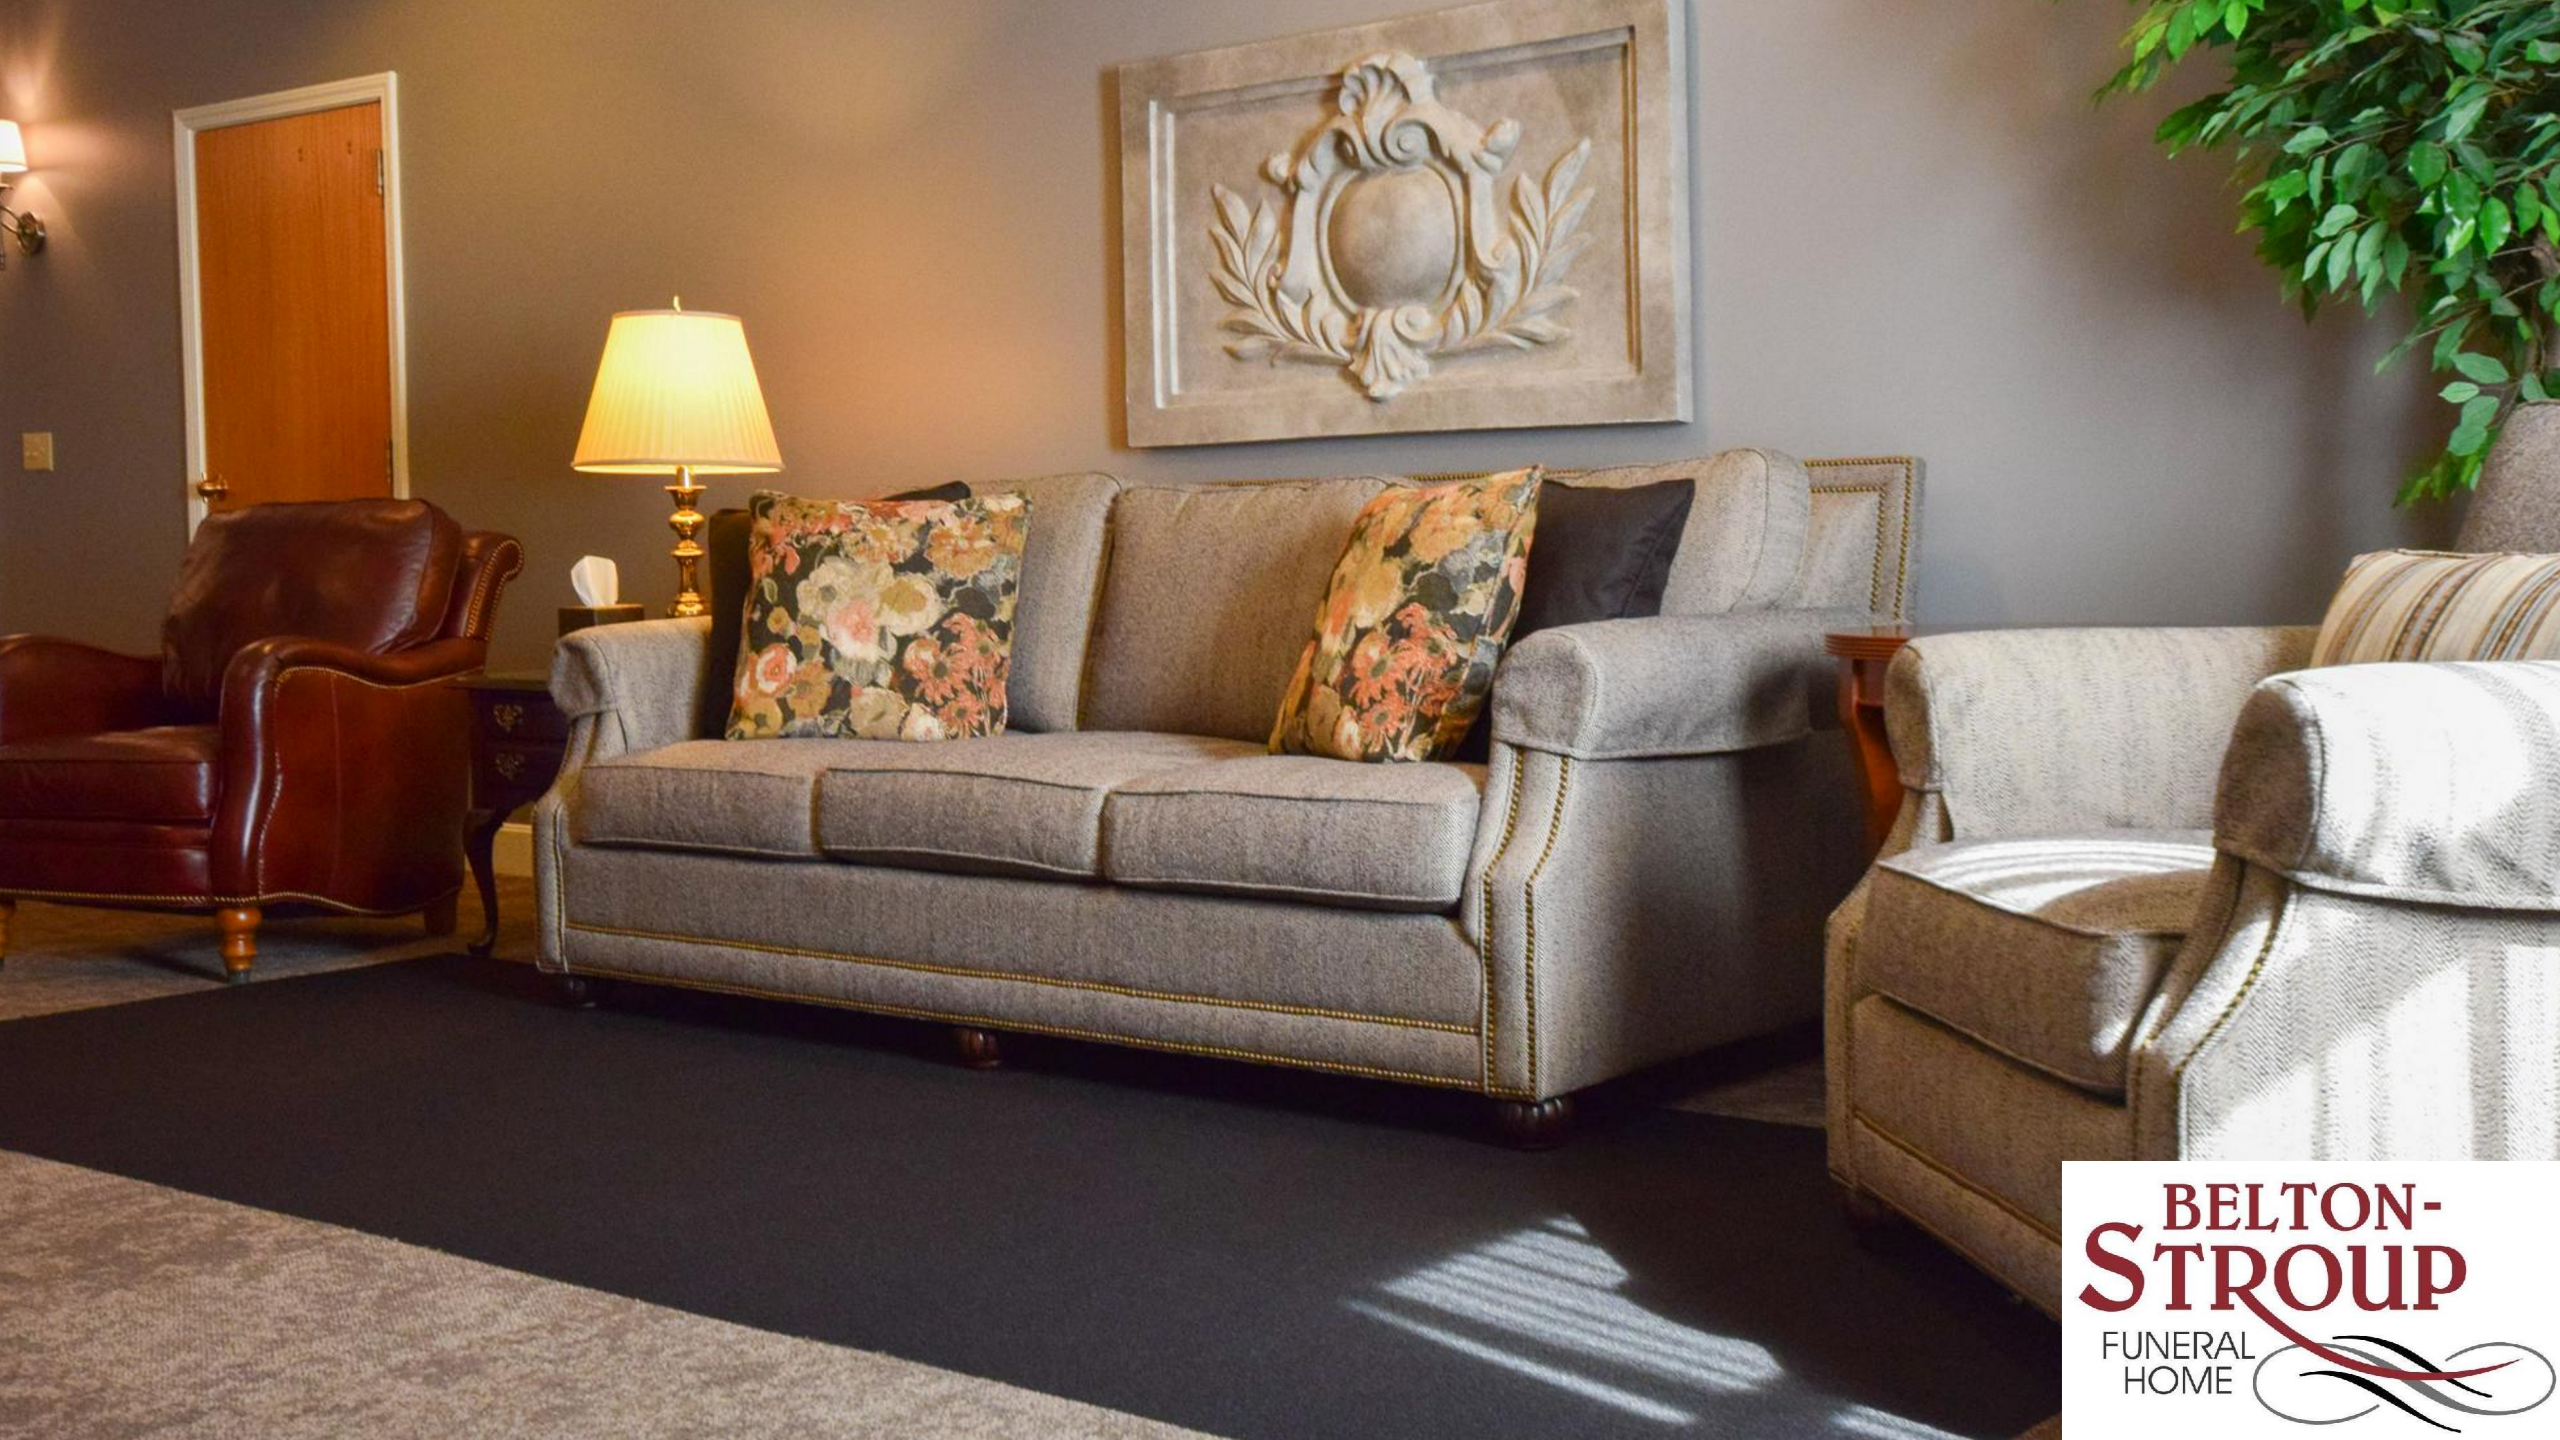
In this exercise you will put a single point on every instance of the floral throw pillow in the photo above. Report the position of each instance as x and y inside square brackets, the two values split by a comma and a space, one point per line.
[878, 619]
[1413, 622]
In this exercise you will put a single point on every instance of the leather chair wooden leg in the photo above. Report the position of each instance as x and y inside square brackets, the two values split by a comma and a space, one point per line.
[440, 917]
[8, 912]
[239, 941]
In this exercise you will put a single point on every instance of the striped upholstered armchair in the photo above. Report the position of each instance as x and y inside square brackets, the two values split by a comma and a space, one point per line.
[2160, 894]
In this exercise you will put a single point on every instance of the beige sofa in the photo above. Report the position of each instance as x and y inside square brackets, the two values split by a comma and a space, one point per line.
[1640, 871]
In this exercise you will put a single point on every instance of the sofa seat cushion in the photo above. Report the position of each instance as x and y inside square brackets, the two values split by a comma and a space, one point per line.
[731, 797]
[2045, 949]
[162, 775]
[1013, 804]
[1298, 827]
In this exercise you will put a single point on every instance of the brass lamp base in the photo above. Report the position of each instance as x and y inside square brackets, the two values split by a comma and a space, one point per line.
[688, 552]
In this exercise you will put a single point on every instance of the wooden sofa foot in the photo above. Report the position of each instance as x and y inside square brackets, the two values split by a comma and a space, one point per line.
[8, 912]
[979, 1049]
[239, 940]
[578, 992]
[1534, 1124]
[441, 918]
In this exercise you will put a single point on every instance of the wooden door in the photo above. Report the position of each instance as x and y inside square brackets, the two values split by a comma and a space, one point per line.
[294, 301]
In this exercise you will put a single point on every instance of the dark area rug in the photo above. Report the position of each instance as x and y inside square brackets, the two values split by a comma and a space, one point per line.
[1244, 1251]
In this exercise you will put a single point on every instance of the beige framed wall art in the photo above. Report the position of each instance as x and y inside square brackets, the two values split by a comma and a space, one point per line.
[1469, 219]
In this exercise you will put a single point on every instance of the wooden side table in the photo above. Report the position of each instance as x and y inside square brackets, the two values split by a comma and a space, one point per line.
[1864, 654]
[518, 739]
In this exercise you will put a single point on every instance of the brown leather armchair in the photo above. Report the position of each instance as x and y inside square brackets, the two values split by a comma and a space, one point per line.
[294, 743]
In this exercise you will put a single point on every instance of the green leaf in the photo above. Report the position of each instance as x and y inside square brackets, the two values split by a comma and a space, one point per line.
[2543, 52]
[2458, 392]
[2338, 218]
[2235, 17]
[2309, 139]
[2495, 226]
[2426, 164]
[2481, 412]
[2533, 389]
[2464, 115]
[2487, 369]
[2468, 440]
[2461, 196]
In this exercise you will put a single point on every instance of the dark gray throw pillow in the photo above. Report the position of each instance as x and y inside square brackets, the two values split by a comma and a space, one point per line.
[1599, 554]
[724, 544]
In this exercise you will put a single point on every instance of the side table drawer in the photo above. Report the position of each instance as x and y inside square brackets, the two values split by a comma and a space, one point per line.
[515, 767]
[514, 715]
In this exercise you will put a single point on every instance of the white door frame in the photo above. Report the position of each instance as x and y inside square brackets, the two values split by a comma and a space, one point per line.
[382, 89]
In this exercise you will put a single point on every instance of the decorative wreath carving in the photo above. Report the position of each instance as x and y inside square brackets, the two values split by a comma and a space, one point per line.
[1396, 249]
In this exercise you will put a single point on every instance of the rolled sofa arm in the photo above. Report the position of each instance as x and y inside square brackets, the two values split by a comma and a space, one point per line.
[2434, 783]
[1667, 684]
[2050, 731]
[637, 685]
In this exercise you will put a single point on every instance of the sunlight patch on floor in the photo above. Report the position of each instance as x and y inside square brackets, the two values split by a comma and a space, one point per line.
[1545, 1302]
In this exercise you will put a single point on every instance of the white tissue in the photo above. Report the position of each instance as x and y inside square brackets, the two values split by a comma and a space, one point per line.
[597, 582]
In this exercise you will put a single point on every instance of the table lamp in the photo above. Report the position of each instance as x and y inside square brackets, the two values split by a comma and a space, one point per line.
[676, 394]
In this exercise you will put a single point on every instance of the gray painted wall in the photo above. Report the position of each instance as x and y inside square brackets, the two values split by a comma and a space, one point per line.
[1914, 233]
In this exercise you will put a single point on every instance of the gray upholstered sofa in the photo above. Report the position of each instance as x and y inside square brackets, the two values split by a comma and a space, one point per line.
[2152, 897]
[1640, 871]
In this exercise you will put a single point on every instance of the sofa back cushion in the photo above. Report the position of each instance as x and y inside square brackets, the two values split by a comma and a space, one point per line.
[1206, 599]
[1744, 539]
[1061, 584]
[373, 574]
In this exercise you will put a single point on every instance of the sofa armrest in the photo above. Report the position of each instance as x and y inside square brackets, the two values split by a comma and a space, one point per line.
[1666, 684]
[2434, 783]
[631, 687]
[2051, 731]
[51, 687]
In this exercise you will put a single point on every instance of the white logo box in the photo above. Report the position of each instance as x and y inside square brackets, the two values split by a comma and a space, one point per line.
[2392, 1294]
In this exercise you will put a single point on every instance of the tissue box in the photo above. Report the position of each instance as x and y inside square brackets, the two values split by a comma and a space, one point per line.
[579, 617]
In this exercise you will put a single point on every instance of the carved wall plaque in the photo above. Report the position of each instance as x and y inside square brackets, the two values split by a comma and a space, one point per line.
[1372, 229]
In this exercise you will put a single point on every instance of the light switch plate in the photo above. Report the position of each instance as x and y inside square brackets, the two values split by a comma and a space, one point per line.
[35, 450]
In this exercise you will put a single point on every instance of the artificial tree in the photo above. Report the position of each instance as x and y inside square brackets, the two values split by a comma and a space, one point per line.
[2394, 146]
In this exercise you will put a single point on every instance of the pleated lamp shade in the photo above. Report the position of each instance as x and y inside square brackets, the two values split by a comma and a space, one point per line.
[676, 389]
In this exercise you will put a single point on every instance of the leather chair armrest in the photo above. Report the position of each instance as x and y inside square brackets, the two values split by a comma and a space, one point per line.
[1667, 684]
[345, 773]
[51, 687]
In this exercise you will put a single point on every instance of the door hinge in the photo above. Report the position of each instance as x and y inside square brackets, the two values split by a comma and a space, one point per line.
[381, 173]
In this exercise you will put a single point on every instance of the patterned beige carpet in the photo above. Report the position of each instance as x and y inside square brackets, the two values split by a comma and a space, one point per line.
[66, 958]
[136, 1310]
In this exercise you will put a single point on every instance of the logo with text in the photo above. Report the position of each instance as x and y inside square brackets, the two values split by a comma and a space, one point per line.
[2258, 1298]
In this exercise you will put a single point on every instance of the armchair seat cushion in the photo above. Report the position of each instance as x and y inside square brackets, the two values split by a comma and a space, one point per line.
[162, 775]
[2045, 949]
[1299, 827]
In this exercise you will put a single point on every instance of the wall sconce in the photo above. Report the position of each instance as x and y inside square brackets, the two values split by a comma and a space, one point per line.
[27, 229]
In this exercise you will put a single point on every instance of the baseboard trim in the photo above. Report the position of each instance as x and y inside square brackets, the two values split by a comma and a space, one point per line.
[513, 852]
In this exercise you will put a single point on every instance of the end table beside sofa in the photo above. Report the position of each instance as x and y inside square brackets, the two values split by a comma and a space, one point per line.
[1638, 872]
